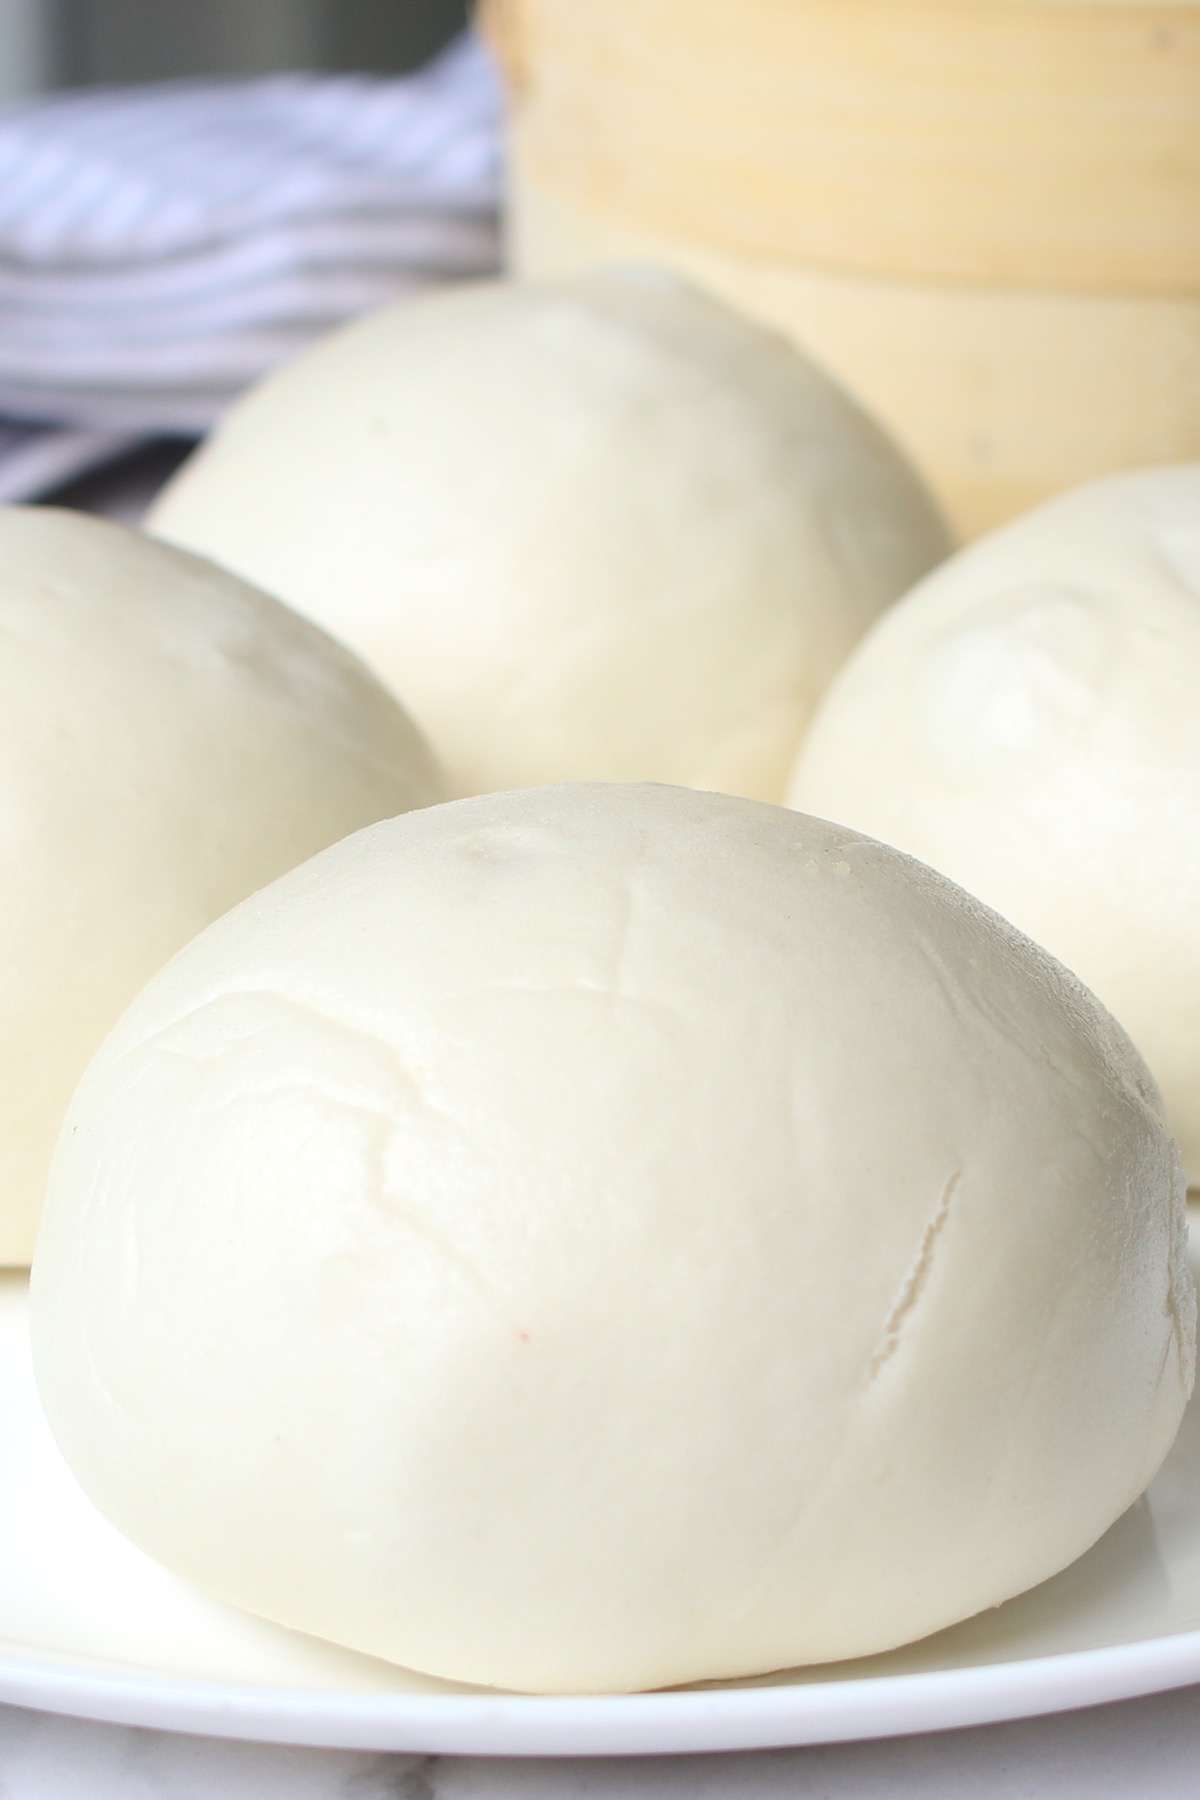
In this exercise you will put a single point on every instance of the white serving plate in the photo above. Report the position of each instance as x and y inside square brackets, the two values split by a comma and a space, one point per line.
[91, 1627]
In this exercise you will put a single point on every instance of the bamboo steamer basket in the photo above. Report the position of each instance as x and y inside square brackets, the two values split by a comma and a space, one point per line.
[983, 216]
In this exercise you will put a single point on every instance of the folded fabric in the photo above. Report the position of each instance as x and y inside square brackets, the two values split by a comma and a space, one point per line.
[162, 247]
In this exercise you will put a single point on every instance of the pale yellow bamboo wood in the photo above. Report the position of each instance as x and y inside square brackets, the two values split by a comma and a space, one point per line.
[1003, 397]
[1018, 142]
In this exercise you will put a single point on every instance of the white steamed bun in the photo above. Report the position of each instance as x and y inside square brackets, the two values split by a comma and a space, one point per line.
[597, 529]
[169, 740]
[603, 1237]
[1027, 722]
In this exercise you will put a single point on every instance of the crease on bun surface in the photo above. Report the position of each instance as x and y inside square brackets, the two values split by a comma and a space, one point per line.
[593, 529]
[170, 740]
[1026, 721]
[603, 1237]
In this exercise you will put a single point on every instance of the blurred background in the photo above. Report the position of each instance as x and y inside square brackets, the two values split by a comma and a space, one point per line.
[861, 177]
[49, 44]
[173, 226]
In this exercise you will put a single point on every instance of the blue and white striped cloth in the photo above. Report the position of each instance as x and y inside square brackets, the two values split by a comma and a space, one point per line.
[162, 247]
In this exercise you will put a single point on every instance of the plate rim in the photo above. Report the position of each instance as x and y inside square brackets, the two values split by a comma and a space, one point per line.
[671, 1722]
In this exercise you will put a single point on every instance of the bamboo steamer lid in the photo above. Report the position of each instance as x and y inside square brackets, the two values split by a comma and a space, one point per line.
[1001, 396]
[982, 215]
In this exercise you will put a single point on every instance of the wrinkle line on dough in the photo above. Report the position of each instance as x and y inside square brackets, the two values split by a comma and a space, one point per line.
[379, 1120]
[915, 1282]
[419, 1222]
[376, 1043]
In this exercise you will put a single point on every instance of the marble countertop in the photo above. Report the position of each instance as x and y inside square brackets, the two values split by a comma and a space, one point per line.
[1148, 1747]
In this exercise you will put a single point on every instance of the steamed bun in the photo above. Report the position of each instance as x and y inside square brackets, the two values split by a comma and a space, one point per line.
[597, 529]
[169, 740]
[1027, 721]
[604, 1237]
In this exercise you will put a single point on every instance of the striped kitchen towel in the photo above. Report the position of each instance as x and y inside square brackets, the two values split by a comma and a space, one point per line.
[162, 247]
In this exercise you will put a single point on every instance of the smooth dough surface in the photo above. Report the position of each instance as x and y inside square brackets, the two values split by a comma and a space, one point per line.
[592, 529]
[604, 1237]
[1027, 721]
[170, 740]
